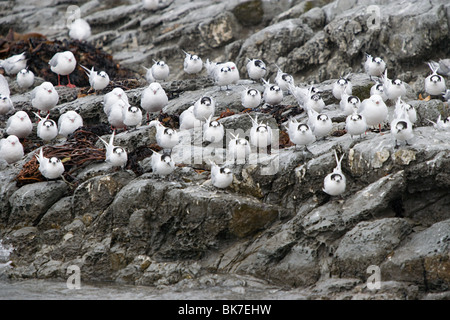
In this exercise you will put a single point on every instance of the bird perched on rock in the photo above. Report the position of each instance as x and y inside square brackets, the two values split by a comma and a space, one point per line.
[355, 124]
[79, 29]
[112, 97]
[335, 183]
[223, 74]
[158, 72]
[153, 99]
[221, 177]
[349, 103]
[272, 95]
[25, 78]
[378, 89]
[116, 156]
[204, 107]
[213, 131]
[374, 110]
[132, 116]
[68, 122]
[434, 83]
[188, 119]
[19, 124]
[256, 69]
[47, 129]
[393, 89]
[302, 95]
[374, 66]
[401, 127]
[320, 124]
[11, 150]
[284, 80]
[238, 149]
[441, 124]
[166, 138]
[250, 98]
[6, 104]
[63, 64]
[409, 110]
[300, 134]
[226, 75]
[260, 134]
[44, 97]
[315, 102]
[342, 84]
[50, 168]
[14, 64]
[192, 64]
[97, 80]
[162, 164]
[115, 115]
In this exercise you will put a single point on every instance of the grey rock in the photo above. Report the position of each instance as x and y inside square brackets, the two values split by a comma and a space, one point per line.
[422, 259]
[368, 243]
[95, 194]
[57, 215]
[30, 202]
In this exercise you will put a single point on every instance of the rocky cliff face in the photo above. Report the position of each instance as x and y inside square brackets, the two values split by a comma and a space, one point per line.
[274, 223]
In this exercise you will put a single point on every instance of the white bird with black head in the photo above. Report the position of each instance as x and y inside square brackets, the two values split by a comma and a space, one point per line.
[300, 134]
[116, 156]
[434, 83]
[97, 80]
[213, 131]
[334, 183]
[250, 98]
[238, 149]
[204, 107]
[25, 78]
[256, 69]
[342, 84]
[51, 168]
[374, 66]
[355, 124]
[192, 64]
[47, 129]
[221, 177]
[272, 95]
[162, 164]
[166, 138]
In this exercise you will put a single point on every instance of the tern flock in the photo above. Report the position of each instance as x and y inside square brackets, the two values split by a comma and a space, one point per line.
[360, 115]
